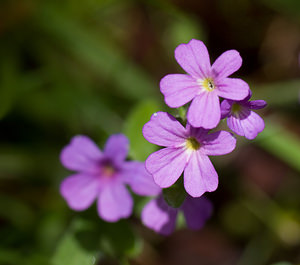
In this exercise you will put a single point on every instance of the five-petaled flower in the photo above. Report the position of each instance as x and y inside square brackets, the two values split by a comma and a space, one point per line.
[103, 176]
[187, 149]
[160, 217]
[203, 84]
[240, 117]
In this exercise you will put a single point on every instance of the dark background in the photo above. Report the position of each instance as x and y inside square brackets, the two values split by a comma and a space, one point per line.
[93, 67]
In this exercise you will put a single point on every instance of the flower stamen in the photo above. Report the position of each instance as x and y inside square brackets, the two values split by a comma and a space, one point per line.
[192, 143]
[208, 84]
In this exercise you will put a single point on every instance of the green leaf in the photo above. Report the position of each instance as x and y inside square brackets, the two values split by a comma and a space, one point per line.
[95, 48]
[175, 195]
[183, 29]
[281, 97]
[70, 251]
[119, 240]
[140, 149]
[281, 143]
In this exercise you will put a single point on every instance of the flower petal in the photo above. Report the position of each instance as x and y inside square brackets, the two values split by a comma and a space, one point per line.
[137, 177]
[233, 88]
[196, 211]
[200, 175]
[158, 216]
[81, 154]
[164, 130]
[198, 133]
[225, 108]
[234, 124]
[166, 165]
[204, 111]
[226, 64]
[218, 143]
[257, 104]
[178, 89]
[80, 191]
[114, 202]
[248, 126]
[194, 58]
[116, 147]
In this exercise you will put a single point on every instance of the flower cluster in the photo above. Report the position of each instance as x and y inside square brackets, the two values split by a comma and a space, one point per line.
[187, 145]
[187, 148]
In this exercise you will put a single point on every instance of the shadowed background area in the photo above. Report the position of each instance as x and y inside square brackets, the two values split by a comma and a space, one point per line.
[93, 67]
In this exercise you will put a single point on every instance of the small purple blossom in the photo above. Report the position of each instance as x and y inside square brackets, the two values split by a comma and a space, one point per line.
[160, 217]
[240, 117]
[187, 149]
[103, 176]
[204, 84]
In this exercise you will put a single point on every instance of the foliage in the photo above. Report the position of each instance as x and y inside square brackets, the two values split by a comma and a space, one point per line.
[73, 67]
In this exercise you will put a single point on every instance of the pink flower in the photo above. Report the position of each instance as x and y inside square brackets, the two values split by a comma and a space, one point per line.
[160, 217]
[187, 149]
[240, 117]
[204, 84]
[103, 176]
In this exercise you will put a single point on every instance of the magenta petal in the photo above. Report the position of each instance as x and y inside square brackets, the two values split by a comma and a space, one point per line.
[225, 108]
[166, 165]
[200, 175]
[257, 104]
[158, 216]
[196, 211]
[248, 126]
[140, 181]
[233, 88]
[227, 63]
[80, 191]
[194, 58]
[218, 143]
[198, 133]
[178, 89]
[114, 202]
[234, 124]
[116, 147]
[164, 130]
[204, 111]
[82, 154]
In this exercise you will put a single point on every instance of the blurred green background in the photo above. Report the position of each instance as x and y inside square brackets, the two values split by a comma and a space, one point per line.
[93, 67]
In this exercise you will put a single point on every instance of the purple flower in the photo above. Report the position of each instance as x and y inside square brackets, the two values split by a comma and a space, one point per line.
[103, 176]
[187, 150]
[204, 83]
[160, 217]
[240, 117]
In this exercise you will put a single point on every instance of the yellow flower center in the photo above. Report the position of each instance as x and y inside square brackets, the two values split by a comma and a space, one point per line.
[192, 143]
[208, 84]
